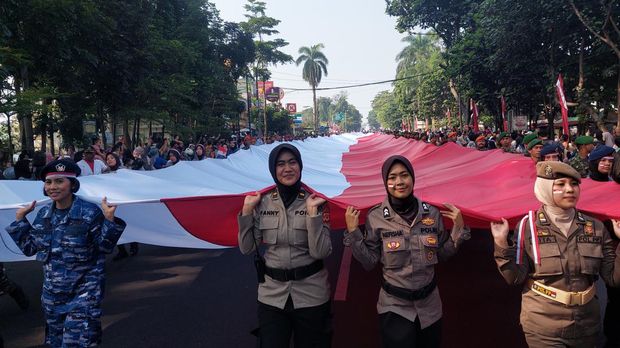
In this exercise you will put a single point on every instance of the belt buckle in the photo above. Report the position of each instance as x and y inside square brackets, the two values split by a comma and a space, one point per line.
[576, 298]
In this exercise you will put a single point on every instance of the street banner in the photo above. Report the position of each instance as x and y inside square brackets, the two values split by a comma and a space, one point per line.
[195, 204]
[559, 88]
[504, 121]
[262, 87]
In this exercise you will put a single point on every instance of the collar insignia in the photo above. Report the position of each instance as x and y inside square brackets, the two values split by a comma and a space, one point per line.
[542, 218]
[386, 212]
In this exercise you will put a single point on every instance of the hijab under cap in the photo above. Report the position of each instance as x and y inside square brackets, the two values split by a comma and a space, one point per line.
[287, 193]
[543, 189]
[407, 208]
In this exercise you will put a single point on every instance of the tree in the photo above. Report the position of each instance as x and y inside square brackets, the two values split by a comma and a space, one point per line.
[601, 20]
[315, 65]
[260, 26]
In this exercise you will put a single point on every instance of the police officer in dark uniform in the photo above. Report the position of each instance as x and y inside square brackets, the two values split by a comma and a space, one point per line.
[71, 237]
[408, 236]
[293, 290]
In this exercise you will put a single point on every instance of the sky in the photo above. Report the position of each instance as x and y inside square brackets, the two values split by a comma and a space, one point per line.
[361, 44]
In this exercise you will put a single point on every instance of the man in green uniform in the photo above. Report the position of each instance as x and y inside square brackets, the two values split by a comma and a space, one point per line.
[585, 144]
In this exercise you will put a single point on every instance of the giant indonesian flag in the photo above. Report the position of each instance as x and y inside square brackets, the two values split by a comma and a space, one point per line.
[195, 204]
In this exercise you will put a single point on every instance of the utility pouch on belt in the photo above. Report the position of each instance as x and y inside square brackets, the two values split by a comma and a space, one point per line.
[259, 263]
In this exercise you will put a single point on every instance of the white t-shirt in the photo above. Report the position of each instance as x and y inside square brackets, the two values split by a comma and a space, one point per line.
[85, 168]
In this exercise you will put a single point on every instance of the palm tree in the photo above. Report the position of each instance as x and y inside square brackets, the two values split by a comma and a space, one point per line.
[315, 65]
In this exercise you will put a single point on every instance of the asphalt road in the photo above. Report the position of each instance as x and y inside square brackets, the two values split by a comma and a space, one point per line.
[170, 297]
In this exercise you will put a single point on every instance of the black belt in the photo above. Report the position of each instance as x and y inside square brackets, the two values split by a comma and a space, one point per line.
[299, 273]
[409, 295]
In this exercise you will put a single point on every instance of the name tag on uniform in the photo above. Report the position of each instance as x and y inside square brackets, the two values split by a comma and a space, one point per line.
[546, 239]
[589, 239]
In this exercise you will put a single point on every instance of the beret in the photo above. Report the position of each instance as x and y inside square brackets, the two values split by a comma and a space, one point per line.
[529, 137]
[600, 152]
[61, 168]
[533, 143]
[584, 140]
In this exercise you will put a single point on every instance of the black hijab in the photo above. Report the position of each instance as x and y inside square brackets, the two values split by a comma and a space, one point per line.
[287, 193]
[407, 208]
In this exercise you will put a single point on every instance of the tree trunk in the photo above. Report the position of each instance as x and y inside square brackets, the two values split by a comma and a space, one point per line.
[315, 111]
[126, 133]
[50, 128]
[27, 138]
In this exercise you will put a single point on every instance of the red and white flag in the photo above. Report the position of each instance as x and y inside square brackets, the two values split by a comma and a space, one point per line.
[559, 89]
[194, 204]
[504, 114]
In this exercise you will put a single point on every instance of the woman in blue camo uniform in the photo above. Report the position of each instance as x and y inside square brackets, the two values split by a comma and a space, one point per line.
[71, 237]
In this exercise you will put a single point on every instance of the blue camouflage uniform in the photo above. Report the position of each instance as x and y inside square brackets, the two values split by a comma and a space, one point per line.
[72, 244]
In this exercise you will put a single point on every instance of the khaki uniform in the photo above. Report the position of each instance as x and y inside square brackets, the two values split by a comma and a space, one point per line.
[571, 264]
[408, 253]
[581, 165]
[293, 239]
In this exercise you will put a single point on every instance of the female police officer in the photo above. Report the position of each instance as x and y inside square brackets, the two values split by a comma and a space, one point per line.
[71, 237]
[558, 252]
[293, 298]
[408, 236]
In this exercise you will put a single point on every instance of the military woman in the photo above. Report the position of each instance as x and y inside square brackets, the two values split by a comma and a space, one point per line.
[71, 237]
[558, 253]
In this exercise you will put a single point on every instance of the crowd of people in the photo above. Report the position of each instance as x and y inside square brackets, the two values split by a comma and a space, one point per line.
[403, 233]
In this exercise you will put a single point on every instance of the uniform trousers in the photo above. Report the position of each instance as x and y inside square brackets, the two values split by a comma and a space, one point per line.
[310, 327]
[536, 340]
[397, 332]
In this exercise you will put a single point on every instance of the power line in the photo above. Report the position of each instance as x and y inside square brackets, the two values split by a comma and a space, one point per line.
[358, 85]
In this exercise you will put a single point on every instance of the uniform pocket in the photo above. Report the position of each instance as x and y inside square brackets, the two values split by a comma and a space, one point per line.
[300, 231]
[430, 243]
[268, 226]
[591, 257]
[396, 252]
[550, 261]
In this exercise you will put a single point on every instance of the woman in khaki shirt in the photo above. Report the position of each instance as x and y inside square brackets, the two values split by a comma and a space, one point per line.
[559, 253]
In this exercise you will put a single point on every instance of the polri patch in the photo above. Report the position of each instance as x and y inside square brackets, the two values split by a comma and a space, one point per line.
[430, 254]
[589, 228]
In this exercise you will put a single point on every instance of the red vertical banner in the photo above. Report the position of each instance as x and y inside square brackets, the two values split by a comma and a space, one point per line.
[559, 88]
[474, 114]
[504, 114]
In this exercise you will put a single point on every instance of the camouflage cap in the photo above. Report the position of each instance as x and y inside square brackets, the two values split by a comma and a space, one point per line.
[552, 170]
